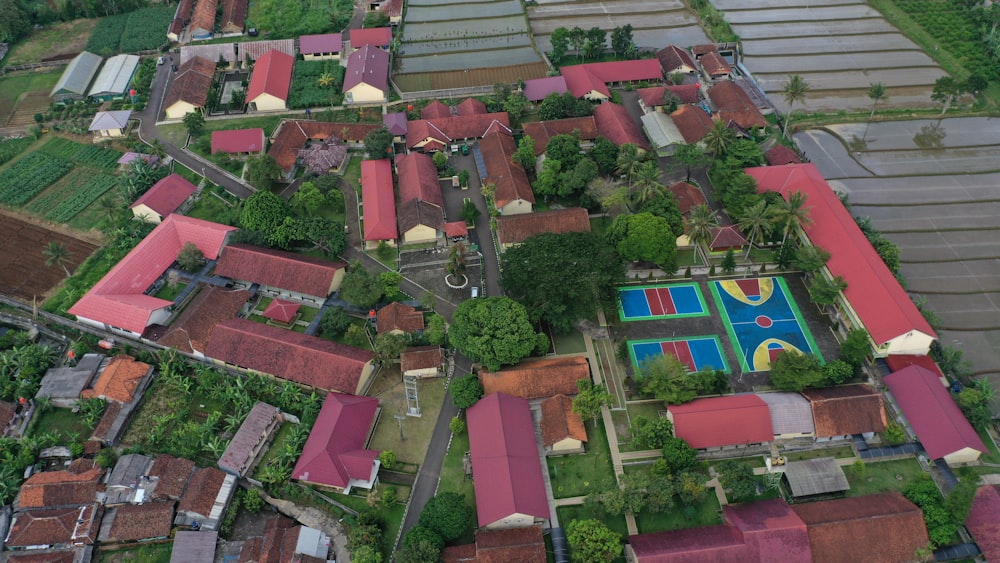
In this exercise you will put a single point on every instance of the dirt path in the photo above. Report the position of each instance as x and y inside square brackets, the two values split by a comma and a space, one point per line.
[315, 518]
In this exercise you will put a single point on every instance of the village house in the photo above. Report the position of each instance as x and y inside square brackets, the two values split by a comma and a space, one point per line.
[205, 498]
[270, 81]
[675, 59]
[189, 89]
[615, 124]
[719, 423]
[585, 129]
[284, 540]
[203, 20]
[110, 124]
[734, 105]
[162, 199]
[655, 98]
[397, 318]
[421, 362]
[239, 142]
[131, 523]
[336, 455]
[590, 81]
[395, 123]
[62, 386]
[421, 204]
[537, 89]
[378, 37]
[842, 411]
[366, 79]
[692, 122]
[563, 431]
[192, 329]
[194, 546]
[524, 545]
[714, 67]
[234, 16]
[292, 136]
[512, 194]
[321, 47]
[182, 16]
[983, 521]
[44, 528]
[791, 417]
[538, 378]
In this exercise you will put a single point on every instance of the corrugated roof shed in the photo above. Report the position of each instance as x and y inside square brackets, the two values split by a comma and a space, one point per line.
[194, 547]
[815, 477]
[790, 413]
[251, 432]
[105, 120]
[77, 76]
[115, 76]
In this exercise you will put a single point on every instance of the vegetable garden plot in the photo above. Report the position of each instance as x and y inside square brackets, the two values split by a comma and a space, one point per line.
[468, 60]
[415, 82]
[98, 157]
[13, 147]
[29, 176]
[461, 12]
[126, 33]
[93, 190]
[446, 30]
[462, 45]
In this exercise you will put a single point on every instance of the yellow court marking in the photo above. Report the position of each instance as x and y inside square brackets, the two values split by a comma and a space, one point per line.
[734, 290]
[761, 357]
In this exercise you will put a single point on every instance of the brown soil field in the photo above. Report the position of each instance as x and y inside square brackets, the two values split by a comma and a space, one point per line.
[23, 273]
[54, 39]
[418, 82]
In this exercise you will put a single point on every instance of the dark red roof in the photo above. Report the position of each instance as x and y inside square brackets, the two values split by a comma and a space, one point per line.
[693, 123]
[505, 545]
[735, 105]
[289, 355]
[119, 298]
[846, 409]
[335, 451]
[897, 362]
[471, 106]
[192, 81]
[723, 421]
[984, 521]
[238, 140]
[542, 131]
[688, 196]
[397, 316]
[932, 413]
[418, 179]
[281, 311]
[780, 154]
[873, 292]
[614, 123]
[703, 544]
[396, 123]
[435, 109]
[514, 229]
[686, 93]
[377, 36]
[378, 199]
[272, 74]
[510, 179]
[166, 195]
[317, 44]
[421, 357]
[508, 473]
[368, 65]
[714, 65]
[201, 491]
[172, 475]
[724, 238]
[771, 530]
[456, 229]
[234, 14]
[537, 89]
[582, 79]
[135, 522]
[538, 378]
[191, 331]
[456, 128]
[55, 527]
[675, 59]
[204, 16]
[279, 269]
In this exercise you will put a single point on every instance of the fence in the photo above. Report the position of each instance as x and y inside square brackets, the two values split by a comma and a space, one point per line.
[444, 93]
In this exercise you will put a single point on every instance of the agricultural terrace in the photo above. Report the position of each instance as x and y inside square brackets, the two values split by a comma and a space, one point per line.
[839, 48]
[448, 37]
[930, 187]
[128, 33]
[655, 24]
[24, 94]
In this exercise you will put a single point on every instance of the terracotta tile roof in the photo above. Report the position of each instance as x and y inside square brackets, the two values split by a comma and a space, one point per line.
[60, 488]
[379, 200]
[256, 424]
[335, 450]
[377, 36]
[392, 8]
[166, 195]
[692, 122]
[899, 361]
[317, 44]
[884, 527]
[456, 229]
[415, 212]
[281, 311]
[119, 299]
[418, 179]
[46, 556]
[119, 380]
[136, 522]
[234, 15]
[368, 65]
[614, 123]
[675, 59]
[726, 237]
[103, 428]
[396, 316]
[201, 492]
[291, 135]
[653, 97]
[272, 74]
[279, 269]
[238, 141]
[459, 553]
[537, 89]
[781, 154]
[846, 409]
[192, 330]
[543, 131]
[191, 82]
[515, 229]
[702, 544]
[510, 179]
[289, 355]
[455, 128]
[471, 106]
[714, 65]
[538, 378]
[722, 421]
[735, 105]
[435, 110]
[699, 50]
[560, 422]
[594, 77]
[688, 196]
[523, 545]
[421, 357]
[269, 548]
[173, 474]
[181, 16]
[984, 521]
[204, 16]
[55, 527]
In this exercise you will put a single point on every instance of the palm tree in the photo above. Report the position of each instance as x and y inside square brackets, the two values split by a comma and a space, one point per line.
[792, 214]
[755, 222]
[647, 180]
[795, 91]
[629, 161]
[325, 80]
[56, 253]
[719, 138]
[876, 91]
[699, 225]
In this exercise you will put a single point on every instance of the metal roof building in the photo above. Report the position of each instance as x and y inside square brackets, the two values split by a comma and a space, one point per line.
[815, 477]
[114, 78]
[791, 415]
[73, 83]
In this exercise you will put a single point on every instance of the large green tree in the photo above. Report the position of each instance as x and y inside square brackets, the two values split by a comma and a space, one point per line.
[795, 371]
[263, 172]
[590, 399]
[561, 278]
[14, 21]
[264, 212]
[564, 148]
[361, 287]
[493, 331]
[378, 143]
[646, 237]
[690, 157]
[194, 122]
[664, 376]
[466, 390]
[737, 478]
[591, 541]
[447, 514]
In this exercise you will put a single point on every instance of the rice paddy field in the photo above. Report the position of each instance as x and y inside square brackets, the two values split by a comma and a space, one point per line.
[840, 47]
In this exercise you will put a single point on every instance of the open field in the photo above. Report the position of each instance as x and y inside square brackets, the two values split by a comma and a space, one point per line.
[61, 38]
[839, 48]
[933, 188]
[655, 24]
[16, 87]
[23, 272]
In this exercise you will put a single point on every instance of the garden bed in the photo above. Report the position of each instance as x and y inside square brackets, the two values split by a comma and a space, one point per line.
[580, 474]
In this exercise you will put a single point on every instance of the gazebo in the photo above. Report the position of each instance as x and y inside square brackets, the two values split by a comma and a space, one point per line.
[281, 311]
[724, 238]
[456, 230]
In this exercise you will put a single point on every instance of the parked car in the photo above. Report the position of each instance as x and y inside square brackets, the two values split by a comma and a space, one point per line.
[475, 292]
[160, 61]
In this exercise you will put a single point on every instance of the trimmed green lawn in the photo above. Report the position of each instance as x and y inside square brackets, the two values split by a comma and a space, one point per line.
[883, 476]
[705, 514]
[145, 553]
[417, 432]
[838, 452]
[63, 423]
[577, 475]
[169, 292]
[571, 343]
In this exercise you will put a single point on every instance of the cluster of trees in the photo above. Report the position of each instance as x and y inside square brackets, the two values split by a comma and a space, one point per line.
[664, 377]
[565, 171]
[592, 43]
[561, 106]
[22, 365]
[495, 331]
[445, 518]
[366, 537]
[794, 371]
[268, 220]
[943, 515]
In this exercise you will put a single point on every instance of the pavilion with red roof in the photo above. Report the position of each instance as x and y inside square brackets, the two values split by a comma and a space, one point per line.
[718, 422]
[238, 141]
[456, 229]
[379, 202]
[873, 300]
[281, 311]
[270, 81]
[937, 421]
[162, 199]
[119, 302]
[336, 454]
[510, 491]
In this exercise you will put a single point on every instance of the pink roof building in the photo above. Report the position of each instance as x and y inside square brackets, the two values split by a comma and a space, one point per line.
[537, 89]
[984, 521]
[271, 79]
[733, 420]
[590, 80]
[507, 476]
[335, 453]
[379, 37]
[935, 418]
[378, 199]
[325, 44]
[876, 300]
[238, 141]
[162, 199]
[368, 66]
[615, 124]
[118, 302]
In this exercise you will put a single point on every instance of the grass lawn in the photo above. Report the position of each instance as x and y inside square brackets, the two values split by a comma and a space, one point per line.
[453, 478]
[169, 292]
[277, 444]
[578, 475]
[145, 553]
[838, 452]
[65, 37]
[416, 431]
[704, 514]
[599, 224]
[187, 173]
[307, 313]
[571, 343]
[63, 423]
[14, 85]
[883, 476]
[352, 174]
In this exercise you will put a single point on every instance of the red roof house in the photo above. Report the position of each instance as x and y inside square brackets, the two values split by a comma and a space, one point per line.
[523, 545]
[335, 455]
[395, 122]
[932, 413]
[846, 410]
[379, 37]
[734, 104]
[435, 109]
[688, 196]
[653, 97]
[270, 81]
[400, 318]
[278, 270]
[725, 238]
[163, 198]
[715, 66]
[716, 422]
[693, 123]
[290, 355]
[234, 16]
[675, 59]
[292, 135]
[983, 521]
[281, 311]
[615, 124]
[538, 378]
[507, 475]
[379, 201]
[471, 106]
[876, 299]
[238, 141]
[702, 544]
[515, 229]
[58, 527]
[436, 134]
[51, 489]
[367, 76]
[537, 89]
[590, 80]
[192, 329]
[513, 191]
[119, 302]
[542, 131]
[456, 229]
[780, 154]
[189, 89]
[420, 199]
[897, 362]
[320, 46]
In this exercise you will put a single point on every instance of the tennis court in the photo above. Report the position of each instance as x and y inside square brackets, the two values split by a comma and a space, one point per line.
[762, 320]
[695, 352]
[674, 301]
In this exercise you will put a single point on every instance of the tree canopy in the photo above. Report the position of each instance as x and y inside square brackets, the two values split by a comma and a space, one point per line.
[378, 143]
[447, 514]
[263, 172]
[264, 212]
[561, 278]
[466, 390]
[493, 331]
[591, 541]
[795, 371]
[360, 287]
[647, 237]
